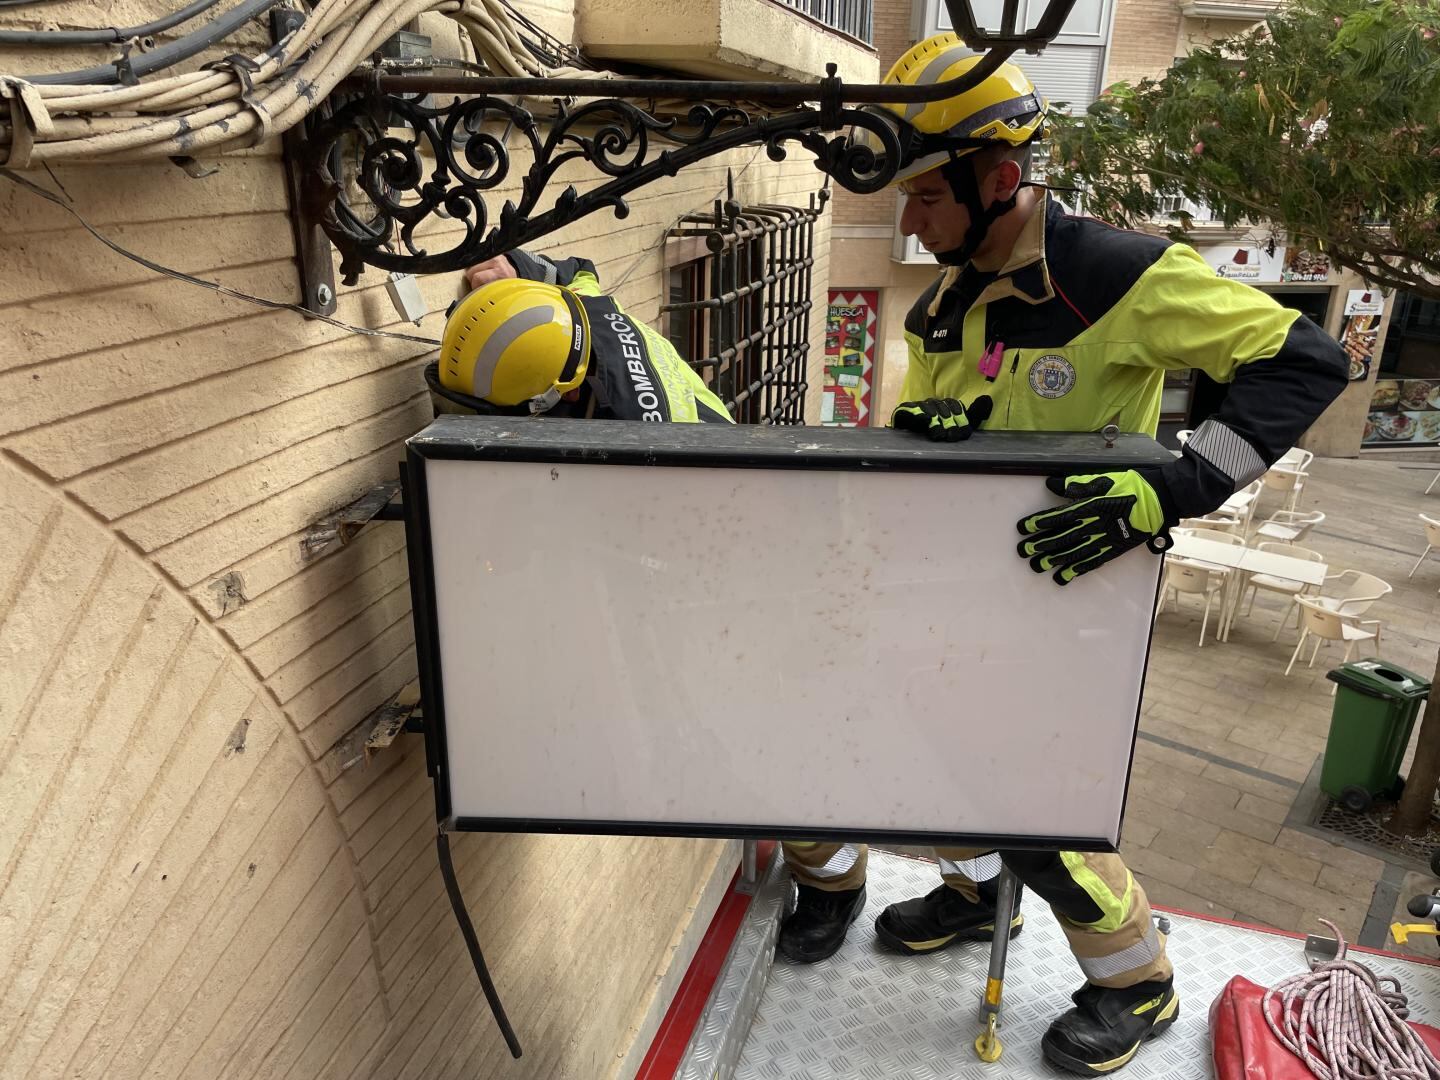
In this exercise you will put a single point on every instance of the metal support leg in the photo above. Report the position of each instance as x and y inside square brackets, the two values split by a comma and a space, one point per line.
[987, 1044]
[749, 867]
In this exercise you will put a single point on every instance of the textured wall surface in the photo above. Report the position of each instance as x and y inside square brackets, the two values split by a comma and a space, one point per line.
[198, 877]
[1144, 39]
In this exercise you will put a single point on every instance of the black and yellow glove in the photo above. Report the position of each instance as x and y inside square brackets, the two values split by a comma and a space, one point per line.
[942, 419]
[1112, 513]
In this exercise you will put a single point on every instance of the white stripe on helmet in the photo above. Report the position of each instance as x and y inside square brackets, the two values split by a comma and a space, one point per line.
[503, 337]
[932, 73]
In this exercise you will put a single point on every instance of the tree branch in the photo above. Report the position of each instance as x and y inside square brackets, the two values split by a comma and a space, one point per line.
[1348, 246]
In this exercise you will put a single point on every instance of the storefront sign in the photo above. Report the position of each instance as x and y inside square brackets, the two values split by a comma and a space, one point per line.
[1359, 337]
[1302, 265]
[1403, 411]
[1250, 263]
[1364, 302]
[850, 329]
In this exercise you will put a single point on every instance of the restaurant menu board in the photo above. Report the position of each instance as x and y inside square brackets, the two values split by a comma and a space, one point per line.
[1403, 411]
[1363, 308]
[1358, 337]
[850, 330]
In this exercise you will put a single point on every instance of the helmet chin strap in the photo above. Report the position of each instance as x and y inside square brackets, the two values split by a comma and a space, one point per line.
[543, 403]
[965, 187]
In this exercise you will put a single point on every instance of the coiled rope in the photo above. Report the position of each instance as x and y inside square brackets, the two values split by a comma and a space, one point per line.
[1347, 1023]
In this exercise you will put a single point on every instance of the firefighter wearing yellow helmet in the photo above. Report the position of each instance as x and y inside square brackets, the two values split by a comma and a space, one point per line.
[538, 336]
[1044, 321]
[1002, 110]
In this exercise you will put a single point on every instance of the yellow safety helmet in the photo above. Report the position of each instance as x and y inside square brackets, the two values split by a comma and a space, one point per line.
[515, 342]
[1004, 107]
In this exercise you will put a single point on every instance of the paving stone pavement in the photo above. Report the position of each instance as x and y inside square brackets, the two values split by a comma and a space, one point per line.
[1215, 823]
[1227, 740]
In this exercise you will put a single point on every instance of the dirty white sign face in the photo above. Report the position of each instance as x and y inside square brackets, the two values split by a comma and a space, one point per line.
[672, 649]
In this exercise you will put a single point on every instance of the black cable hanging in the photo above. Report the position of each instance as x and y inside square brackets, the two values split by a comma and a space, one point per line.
[112, 35]
[549, 49]
[166, 55]
[467, 929]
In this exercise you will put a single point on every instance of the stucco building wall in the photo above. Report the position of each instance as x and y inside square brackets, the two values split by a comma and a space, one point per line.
[200, 874]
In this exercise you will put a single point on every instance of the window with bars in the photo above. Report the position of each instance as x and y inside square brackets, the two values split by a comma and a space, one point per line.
[854, 18]
[740, 312]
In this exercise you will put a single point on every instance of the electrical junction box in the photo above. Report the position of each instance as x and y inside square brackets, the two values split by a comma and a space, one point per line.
[405, 294]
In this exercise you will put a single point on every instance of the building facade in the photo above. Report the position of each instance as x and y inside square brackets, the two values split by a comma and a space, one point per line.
[205, 874]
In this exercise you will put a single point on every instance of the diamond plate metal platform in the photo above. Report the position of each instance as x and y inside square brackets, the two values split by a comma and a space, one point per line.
[868, 1014]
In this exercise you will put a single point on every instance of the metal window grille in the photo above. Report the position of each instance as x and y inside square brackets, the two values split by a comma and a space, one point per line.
[741, 314]
[854, 18]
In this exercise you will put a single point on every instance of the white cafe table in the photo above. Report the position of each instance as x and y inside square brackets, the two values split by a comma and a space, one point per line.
[1245, 560]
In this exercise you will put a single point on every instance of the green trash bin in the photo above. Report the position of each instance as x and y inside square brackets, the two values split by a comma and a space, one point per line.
[1375, 708]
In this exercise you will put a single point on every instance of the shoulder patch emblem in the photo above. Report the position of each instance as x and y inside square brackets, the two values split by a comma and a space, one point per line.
[1052, 376]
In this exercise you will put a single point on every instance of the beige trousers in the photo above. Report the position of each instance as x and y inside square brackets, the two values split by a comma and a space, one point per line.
[1101, 907]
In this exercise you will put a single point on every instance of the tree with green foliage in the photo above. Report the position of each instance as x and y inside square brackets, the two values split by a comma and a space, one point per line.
[1323, 123]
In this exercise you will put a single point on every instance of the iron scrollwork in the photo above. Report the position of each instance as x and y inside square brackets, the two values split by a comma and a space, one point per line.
[373, 215]
[374, 220]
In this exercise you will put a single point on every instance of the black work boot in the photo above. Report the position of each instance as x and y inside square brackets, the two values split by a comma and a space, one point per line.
[816, 928]
[1106, 1027]
[939, 919]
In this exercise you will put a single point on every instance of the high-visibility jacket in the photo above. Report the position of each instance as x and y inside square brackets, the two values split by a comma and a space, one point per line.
[1079, 327]
[634, 373]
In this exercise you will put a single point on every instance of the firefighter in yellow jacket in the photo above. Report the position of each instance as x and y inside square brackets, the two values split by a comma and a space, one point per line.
[1042, 321]
[538, 336]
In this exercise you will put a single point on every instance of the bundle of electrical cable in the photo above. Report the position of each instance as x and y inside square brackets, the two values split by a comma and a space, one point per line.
[1346, 1023]
[239, 101]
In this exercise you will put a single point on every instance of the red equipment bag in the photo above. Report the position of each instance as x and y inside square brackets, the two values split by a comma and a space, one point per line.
[1245, 1048]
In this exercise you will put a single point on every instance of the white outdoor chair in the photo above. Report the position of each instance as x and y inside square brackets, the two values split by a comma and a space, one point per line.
[1350, 592]
[1197, 578]
[1433, 481]
[1270, 583]
[1432, 540]
[1242, 504]
[1209, 532]
[1295, 459]
[1287, 483]
[1216, 520]
[1326, 626]
[1354, 597]
[1288, 526]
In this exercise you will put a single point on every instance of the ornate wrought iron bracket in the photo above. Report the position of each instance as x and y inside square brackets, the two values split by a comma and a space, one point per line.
[458, 152]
